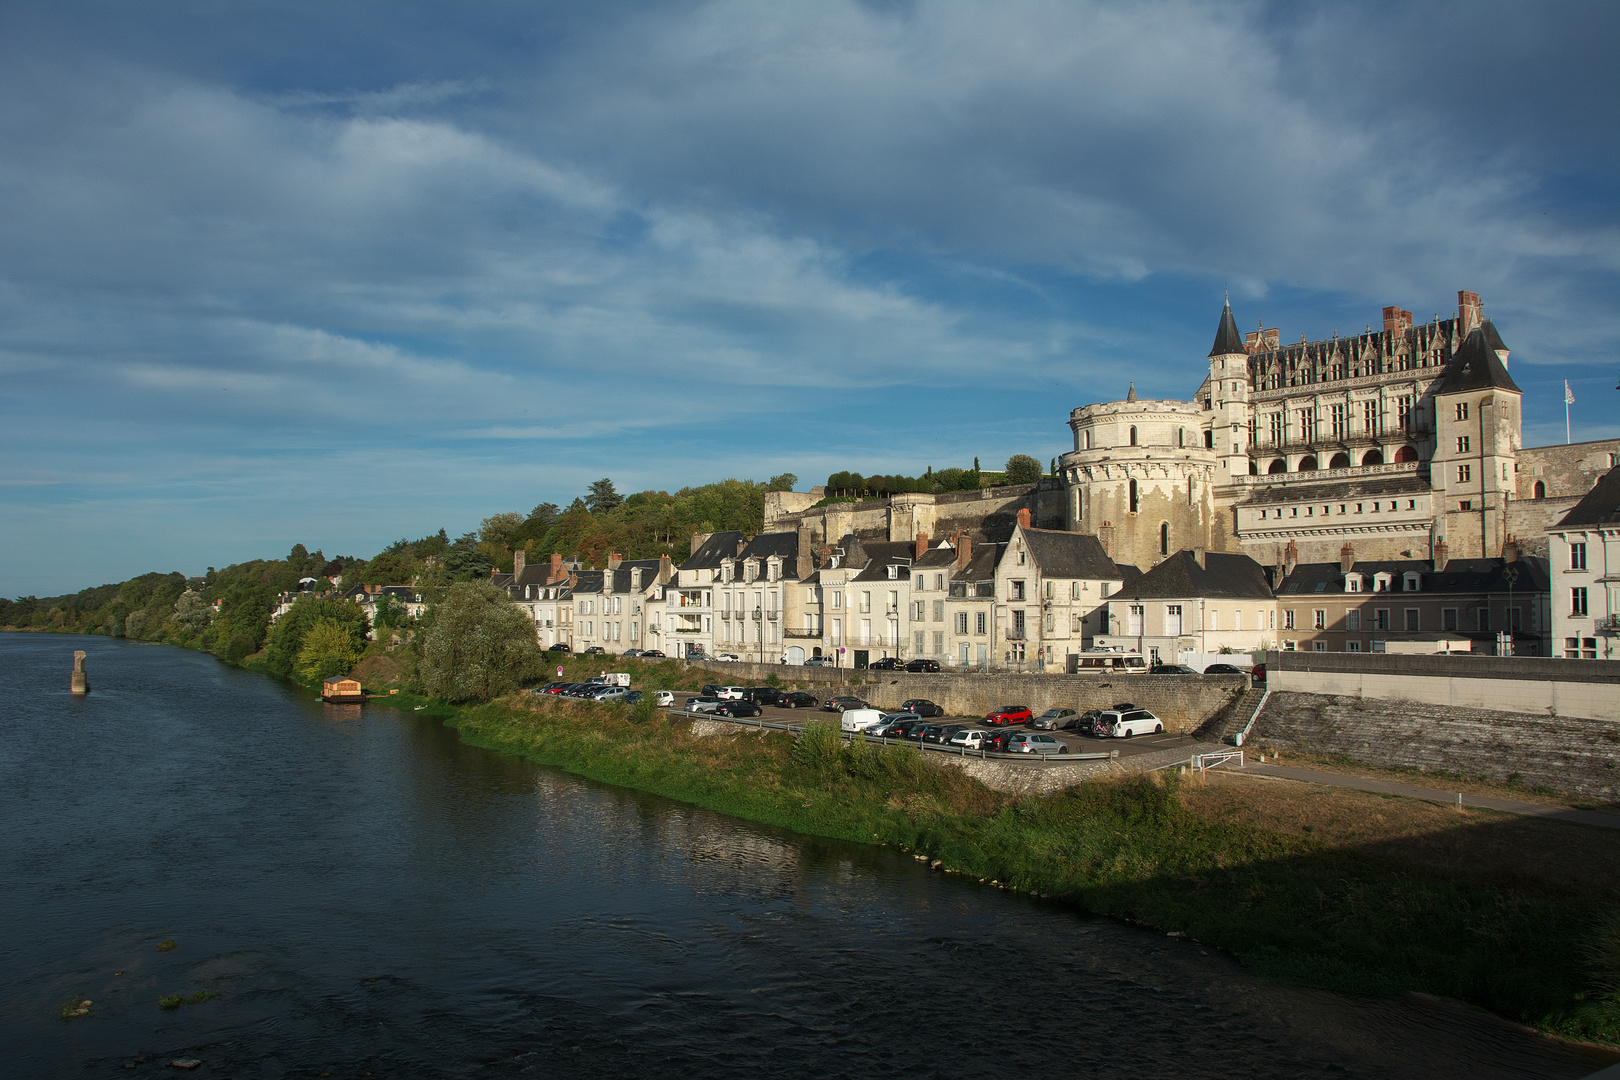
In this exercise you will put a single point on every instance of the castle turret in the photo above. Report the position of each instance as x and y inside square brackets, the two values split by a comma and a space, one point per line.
[1226, 402]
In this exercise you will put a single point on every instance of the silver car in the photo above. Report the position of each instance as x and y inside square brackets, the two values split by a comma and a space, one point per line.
[1053, 719]
[702, 704]
[1033, 742]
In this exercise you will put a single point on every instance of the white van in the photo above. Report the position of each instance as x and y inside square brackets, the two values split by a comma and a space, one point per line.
[615, 678]
[1107, 663]
[853, 720]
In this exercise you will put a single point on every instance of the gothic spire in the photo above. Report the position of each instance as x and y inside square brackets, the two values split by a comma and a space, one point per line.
[1227, 339]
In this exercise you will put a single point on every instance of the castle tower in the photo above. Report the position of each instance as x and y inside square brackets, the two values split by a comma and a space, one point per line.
[1477, 421]
[1140, 474]
[1226, 399]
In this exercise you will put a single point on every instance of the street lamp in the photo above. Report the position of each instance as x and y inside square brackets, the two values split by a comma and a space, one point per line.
[1141, 626]
[1511, 574]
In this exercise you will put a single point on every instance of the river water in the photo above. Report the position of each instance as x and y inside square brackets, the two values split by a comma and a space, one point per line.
[368, 897]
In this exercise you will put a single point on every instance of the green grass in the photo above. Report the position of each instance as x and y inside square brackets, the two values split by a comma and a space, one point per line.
[174, 1001]
[1289, 907]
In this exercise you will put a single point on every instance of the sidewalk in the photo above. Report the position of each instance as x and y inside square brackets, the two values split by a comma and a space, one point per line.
[1385, 787]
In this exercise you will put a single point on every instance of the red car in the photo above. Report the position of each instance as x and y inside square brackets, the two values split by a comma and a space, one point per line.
[1009, 714]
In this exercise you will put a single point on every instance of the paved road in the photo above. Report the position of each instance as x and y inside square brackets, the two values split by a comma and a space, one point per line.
[1386, 787]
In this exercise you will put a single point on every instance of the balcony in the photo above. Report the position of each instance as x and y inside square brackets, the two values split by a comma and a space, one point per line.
[771, 615]
[801, 633]
[1608, 624]
[726, 615]
[1017, 633]
[758, 614]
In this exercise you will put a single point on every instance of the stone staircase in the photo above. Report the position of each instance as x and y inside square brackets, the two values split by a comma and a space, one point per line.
[1230, 720]
[1565, 754]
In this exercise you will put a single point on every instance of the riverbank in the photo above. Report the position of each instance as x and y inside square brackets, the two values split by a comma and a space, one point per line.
[1349, 916]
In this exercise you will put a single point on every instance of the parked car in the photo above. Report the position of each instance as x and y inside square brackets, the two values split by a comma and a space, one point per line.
[710, 690]
[609, 693]
[928, 733]
[1223, 669]
[1257, 674]
[1009, 714]
[557, 646]
[1171, 669]
[942, 733]
[549, 688]
[633, 697]
[887, 663]
[995, 742]
[726, 657]
[922, 665]
[1053, 719]
[664, 699]
[818, 661]
[738, 708]
[1123, 725]
[798, 699]
[842, 702]
[922, 707]
[853, 720]
[703, 703]
[971, 738]
[1033, 742]
[652, 654]
[888, 726]
[731, 693]
[595, 650]
[630, 652]
[1090, 723]
[763, 695]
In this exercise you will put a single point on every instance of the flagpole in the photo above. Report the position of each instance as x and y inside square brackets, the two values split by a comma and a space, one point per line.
[1569, 399]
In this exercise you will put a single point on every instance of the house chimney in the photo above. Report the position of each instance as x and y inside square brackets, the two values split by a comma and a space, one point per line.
[1200, 555]
[1105, 537]
[803, 560]
[519, 559]
[1290, 558]
[1440, 556]
[1470, 312]
[666, 569]
[922, 546]
[697, 541]
[741, 543]
[964, 550]
[1510, 551]
[1397, 321]
[614, 560]
[1347, 559]
[1023, 517]
[555, 575]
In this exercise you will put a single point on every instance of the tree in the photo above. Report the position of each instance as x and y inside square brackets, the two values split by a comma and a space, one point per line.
[784, 482]
[478, 646]
[464, 562]
[192, 613]
[1023, 469]
[288, 633]
[328, 649]
[603, 499]
[501, 529]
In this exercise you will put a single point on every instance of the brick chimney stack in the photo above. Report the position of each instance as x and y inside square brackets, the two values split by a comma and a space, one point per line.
[1201, 556]
[614, 560]
[1105, 537]
[1510, 551]
[1441, 556]
[1023, 517]
[666, 569]
[1347, 559]
[697, 541]
[519, 558]
[964, 550]
[1470, 312]
[555, 574]
[1290, 558]
[1397, 321]
[922, 546]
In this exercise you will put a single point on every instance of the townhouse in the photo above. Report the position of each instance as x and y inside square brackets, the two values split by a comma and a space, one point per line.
[1192, 603]
[1584, 549]
[1051, 589]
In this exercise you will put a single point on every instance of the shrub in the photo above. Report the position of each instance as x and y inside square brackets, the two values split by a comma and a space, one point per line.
[478, 646]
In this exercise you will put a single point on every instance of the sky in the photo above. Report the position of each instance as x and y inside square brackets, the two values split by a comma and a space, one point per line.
[336, 274]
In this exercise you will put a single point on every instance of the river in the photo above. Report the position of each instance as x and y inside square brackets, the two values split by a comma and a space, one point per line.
[366, 896]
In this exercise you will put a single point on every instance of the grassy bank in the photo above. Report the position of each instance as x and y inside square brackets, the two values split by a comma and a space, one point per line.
[1288, 906]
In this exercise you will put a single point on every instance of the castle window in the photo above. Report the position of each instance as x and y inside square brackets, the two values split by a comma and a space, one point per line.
[1133, 434]
[1462, 444]
[1164, 538]
[1540, 490]
[1462, 410]
[1133, 491]
[1464, 472]
[1209, 439]
[1181, 437]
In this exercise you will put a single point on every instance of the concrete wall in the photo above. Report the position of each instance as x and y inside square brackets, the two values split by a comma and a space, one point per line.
[1562, 753]
[1534, 685]
[1184, 702]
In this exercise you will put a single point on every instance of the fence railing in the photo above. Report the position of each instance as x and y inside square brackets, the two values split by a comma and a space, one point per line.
[1237, 740]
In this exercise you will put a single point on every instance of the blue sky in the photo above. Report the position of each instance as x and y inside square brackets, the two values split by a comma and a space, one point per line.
[334, 274]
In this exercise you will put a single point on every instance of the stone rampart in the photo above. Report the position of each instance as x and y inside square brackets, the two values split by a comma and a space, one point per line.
[1562, 753]
[1542, 686]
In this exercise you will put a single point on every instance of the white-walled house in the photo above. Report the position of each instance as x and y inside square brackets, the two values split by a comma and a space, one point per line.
[1584, 552]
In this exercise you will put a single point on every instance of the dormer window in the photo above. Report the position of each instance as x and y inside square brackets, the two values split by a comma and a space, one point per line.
[1414, 582]
[894, 571]
[1381, 582]
[1352, 583]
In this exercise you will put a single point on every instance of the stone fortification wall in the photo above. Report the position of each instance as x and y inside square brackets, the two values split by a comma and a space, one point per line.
[1184, 702]
[1566, 473]
[987, 514]
[1541, 686]
[1562, 753]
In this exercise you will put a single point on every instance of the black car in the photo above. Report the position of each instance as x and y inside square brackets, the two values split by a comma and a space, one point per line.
[887, 663]
[738, 708]
[1223, 669]
[1171, 669]
[843, 702]
[558, 646]
[941, 733]
[763, 695]
[923, 665]
[995, 741]
[922, 707]
[798, 699]
[652, 654]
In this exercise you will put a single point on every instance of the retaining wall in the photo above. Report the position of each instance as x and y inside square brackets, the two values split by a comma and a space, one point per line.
[1184, 702]
[1514, 684]
[1563, 753]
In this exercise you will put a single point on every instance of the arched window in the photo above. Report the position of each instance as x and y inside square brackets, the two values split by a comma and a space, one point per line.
[1540, 490]
[1406, 453]
[1133, 492]
[1254, 468]
[1307, 464]
[1133, 434]
[1277, 466]
[1164, 538]
[1340, 461]
[1088, 438]
[1373, 457]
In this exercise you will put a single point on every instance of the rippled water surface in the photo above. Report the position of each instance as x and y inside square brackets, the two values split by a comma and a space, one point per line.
[367, 896]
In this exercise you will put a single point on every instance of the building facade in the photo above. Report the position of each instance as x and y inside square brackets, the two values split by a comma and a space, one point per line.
[1584, 551]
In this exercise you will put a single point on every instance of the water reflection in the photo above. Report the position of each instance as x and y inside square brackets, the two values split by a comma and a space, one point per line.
[374, 895]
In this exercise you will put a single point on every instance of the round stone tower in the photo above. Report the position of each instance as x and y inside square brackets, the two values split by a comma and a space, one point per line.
[1140, 478]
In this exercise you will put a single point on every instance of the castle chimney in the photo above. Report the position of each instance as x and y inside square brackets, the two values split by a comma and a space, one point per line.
[921, 548]
[1470, 312]
[1023, 517]
[1441, 556]
[666, 569]
[803, 560]
[1397, 321]
[1290, 558]
[1201, 556]
[1105, 537]
[1347, 559]
[614, 560]
[964, 550]
[555, 574]
[520, 559]
[1510, 551]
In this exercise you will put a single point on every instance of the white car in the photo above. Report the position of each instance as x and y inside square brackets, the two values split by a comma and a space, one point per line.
[731, 693]
[1123, 724]
[730, 657]
[972, 738]
[664, 699]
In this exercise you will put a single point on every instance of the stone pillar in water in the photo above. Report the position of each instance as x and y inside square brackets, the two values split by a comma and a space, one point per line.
[81, 678]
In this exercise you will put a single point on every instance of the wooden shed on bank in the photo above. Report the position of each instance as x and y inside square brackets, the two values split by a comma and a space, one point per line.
[341, 688]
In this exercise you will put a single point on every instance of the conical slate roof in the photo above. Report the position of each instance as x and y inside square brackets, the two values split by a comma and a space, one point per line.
[1476, 365]
[1227, 338]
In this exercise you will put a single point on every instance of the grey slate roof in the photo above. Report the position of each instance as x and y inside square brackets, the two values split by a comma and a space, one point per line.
[781, 545]
[721, 545]
[1476, 365]
[1459, 576]
[1070, 555]
[1600, 506]
[1223, 577]
[1227, 338]
[982, 562]
[881, 555]
[587, 581]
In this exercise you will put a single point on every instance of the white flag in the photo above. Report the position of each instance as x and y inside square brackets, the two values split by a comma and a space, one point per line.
[1569, 395]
